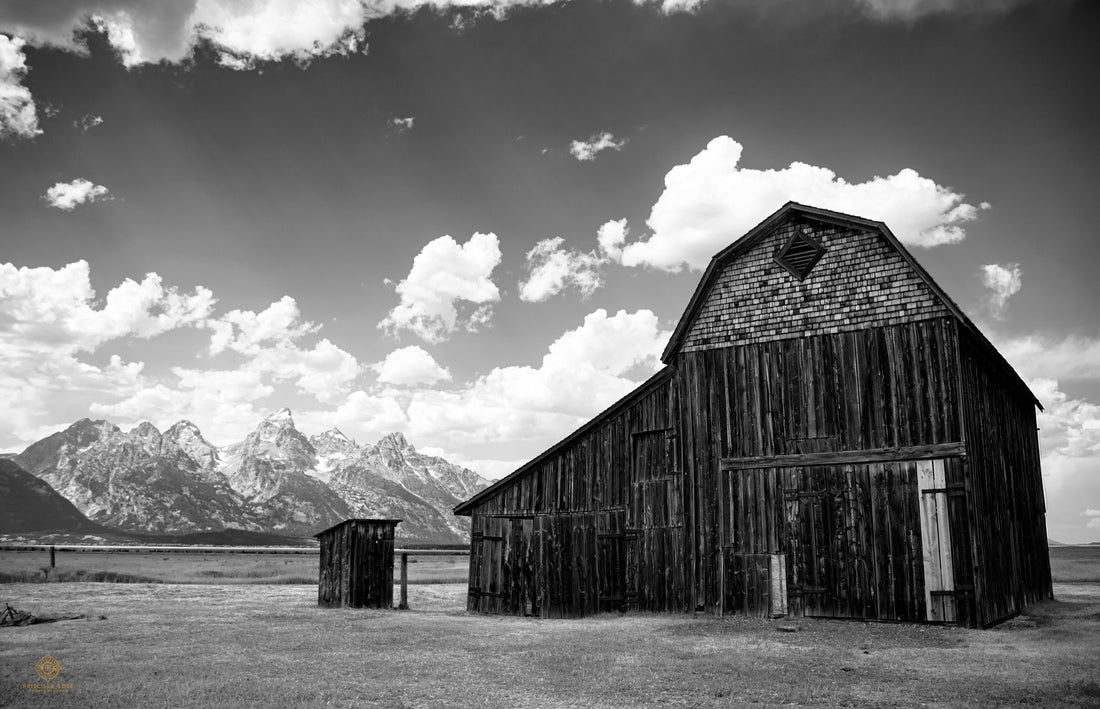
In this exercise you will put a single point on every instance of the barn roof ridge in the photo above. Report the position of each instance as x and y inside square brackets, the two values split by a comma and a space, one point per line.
[765, 228]
[640, 390]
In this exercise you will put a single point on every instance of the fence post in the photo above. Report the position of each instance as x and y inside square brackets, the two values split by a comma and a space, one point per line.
[404, 606]
[53, 558]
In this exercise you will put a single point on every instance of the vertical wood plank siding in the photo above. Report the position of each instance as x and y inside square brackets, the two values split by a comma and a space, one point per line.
[604, 523]
[637, 512]
[879, 388]
[356, 565]
[1007, 488]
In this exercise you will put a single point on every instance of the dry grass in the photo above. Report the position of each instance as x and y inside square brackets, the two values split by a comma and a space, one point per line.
[262, 646]
[214, 567]
[1075, 564]
[265, 645]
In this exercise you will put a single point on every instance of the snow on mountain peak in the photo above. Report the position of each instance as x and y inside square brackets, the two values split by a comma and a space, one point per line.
[282, 414]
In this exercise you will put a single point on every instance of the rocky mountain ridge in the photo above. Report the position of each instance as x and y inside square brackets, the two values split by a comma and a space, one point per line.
[275, 480]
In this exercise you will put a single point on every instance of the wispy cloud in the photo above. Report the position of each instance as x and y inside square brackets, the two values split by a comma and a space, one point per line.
[1005, 281]
[912, 10]
[551, 269]
[587, 150]
[88, 121]
[401, 125]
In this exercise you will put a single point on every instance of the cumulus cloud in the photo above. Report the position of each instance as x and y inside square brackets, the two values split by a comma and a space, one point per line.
[143, 31]
[44, 309]
[445, 277]
[1004, 281]
[362, 415]
[18, 114]
[410, 365]
[587, 150]
[551, 269]
[611, 237]
[1094, 518]
[68, 195]
[1068, 427]
[51, 320]
[671, 6]
[1044, 356]
[246, 331]
[583, 371]
[270, 342]
[274, 29]
[713, 200]
[269, 350]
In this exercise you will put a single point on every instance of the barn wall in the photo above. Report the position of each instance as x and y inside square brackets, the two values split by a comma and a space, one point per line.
[881, 388]
[861, 281]
[596, 525]
[1007, 486]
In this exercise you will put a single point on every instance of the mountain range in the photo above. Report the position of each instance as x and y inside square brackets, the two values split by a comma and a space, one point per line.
[276, 480]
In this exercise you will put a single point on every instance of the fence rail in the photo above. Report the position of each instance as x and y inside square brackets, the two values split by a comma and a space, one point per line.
[182, 549]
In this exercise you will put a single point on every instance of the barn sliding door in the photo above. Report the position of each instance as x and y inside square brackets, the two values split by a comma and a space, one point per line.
[877, 540]
[655, 525]
[502, 566]
[753, 566]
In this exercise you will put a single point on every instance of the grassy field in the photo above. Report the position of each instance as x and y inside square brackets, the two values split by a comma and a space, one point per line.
[153, 567]
[262, 645]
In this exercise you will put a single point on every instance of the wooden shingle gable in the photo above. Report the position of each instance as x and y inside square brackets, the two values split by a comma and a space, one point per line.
[707, 306]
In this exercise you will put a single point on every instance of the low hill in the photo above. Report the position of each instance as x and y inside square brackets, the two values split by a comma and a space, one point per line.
[28, 504]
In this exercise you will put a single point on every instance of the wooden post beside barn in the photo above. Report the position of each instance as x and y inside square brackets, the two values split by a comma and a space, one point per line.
[356, 564]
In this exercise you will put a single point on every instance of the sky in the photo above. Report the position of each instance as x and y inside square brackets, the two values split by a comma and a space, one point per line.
[477, 223]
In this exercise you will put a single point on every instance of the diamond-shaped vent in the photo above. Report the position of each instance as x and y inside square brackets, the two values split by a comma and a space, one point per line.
[800, 253]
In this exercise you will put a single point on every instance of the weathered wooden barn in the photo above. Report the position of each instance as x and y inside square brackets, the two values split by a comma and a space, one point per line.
[355, 569]
[830, 437]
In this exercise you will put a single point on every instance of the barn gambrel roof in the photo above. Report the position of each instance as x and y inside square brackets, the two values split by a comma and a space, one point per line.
[792, 209]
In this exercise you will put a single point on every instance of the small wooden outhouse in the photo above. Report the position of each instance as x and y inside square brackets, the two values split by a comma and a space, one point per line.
[356, 567]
